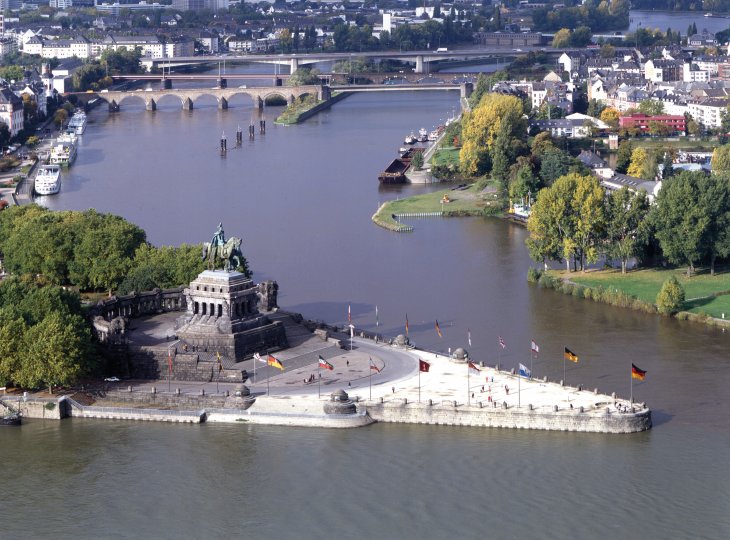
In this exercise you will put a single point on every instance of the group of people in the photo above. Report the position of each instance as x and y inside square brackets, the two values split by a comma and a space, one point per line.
[311, 378]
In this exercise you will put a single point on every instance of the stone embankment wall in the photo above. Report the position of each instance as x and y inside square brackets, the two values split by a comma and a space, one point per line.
[462, 415]
[31, 407]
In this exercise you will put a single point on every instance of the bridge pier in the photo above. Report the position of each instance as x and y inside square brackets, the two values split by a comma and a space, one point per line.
[419, 64]
[466, 89]
[187, 104]
[325, 93]
[259, 103]
[294, 65]
[222, 83]
[165, 84]
[222, 103]
[277, 81]
[292, 99]
[113, 107]
[151, 105]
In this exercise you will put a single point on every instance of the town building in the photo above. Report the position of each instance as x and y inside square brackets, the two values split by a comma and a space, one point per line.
[643, 122]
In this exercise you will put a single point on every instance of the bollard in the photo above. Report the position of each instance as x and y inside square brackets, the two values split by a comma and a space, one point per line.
[504, 404]
[481, 405]
[405, 401]
[226, 393]
[580, 387]
[613, 395]
[129, 389]
[555, 408]
[202, 391]
[177, 391]
[595, 390]
[154, 390]
[381, 400]
[430, 402]
[561, 382]
[481, 363]
[529, 407]
[544, 379]
[581, 409]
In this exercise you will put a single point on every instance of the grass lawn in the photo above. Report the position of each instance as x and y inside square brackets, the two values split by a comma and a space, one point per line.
[467, 201]
[448, 155]
[645, 285]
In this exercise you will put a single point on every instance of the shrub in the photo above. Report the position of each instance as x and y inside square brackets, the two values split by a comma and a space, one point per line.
[671, 296]
[579, 291]
[546, 281]
[533, 275]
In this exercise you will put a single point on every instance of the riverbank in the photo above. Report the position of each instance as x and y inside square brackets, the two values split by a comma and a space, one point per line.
[707, 298]
[303, 110]
[460, 201]
[435, 389]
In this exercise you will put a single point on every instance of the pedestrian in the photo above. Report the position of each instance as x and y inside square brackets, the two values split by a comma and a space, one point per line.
[348, 362]
[394, 389]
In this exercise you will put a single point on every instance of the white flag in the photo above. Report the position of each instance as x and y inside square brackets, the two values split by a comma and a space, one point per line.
[534, 348]
[524, 371]
[256, 356]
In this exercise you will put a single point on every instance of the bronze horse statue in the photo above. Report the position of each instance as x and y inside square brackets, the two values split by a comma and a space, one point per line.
[229, 252]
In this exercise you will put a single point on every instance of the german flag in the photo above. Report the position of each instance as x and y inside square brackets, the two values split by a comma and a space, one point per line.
[438, 330]
[407, 324]
[570, 355]
[274, 362]
[637, 373]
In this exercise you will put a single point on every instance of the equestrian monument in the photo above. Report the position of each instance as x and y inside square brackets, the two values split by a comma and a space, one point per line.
[223, 314]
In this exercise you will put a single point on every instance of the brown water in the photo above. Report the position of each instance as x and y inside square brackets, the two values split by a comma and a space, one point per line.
[302, 197]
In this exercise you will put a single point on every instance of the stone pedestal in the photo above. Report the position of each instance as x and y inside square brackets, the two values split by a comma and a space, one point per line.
[223, 316]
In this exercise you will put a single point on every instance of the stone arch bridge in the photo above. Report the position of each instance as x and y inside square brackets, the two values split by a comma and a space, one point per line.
[188, 96]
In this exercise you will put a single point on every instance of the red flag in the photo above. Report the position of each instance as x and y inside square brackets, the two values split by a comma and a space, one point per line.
[406, 324]
[423, 366]
[374, 367]
[438, 330]
[474, 367]
[325, 364]
[169, 361]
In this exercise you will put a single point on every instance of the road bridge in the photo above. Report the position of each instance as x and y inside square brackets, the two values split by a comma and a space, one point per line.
[188, 96]
[294, 61]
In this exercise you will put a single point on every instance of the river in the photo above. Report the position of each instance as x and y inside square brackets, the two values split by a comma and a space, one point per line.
[677, 20]
[302, 197]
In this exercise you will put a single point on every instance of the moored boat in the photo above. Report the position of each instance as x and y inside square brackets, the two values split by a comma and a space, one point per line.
[48, 179]
[64, 150]
[422, 135]
[10, 419]
[77, 124]
[410, 139]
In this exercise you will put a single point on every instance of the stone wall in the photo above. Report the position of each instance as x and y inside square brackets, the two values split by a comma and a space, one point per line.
[31, 407]
[565, 420]
[165, 399]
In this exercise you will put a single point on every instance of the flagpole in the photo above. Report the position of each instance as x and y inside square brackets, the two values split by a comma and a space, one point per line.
[468, 388]
[370, 379]
[631, 385]
[254, 368]
[519, 390]
[319, 379]
[268, 374]
[419, 381]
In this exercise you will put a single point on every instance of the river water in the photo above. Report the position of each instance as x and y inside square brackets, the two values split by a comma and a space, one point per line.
[677, 20]
[301, 197]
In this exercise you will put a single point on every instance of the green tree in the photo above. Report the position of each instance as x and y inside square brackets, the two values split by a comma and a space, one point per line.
[643, 164]
[651, 107]
[623, 156]
[417, 161]
[54, 352]
[304, 76]
[554, 164]
[12, 330]
[626, 214]
[561, 39]
[567, 221]
[671, 296]
[721, 159]
[667, 166]
[581, 36]
[103, 253]
[679, 220]
[495, 114]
